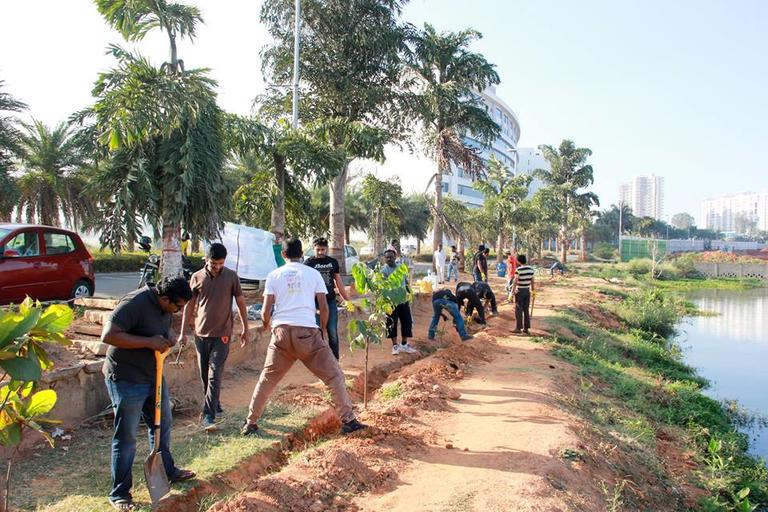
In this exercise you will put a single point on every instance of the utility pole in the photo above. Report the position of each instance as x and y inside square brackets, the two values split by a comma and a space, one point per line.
[296, 41]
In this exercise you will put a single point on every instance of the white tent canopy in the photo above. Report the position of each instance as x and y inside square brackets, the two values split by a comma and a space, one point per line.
[249, 250]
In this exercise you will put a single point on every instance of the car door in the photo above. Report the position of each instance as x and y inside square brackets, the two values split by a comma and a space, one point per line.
[61, 264]
[350, 257]
[20, 267]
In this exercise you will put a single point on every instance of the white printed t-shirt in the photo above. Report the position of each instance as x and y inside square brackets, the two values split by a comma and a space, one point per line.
[294, 286]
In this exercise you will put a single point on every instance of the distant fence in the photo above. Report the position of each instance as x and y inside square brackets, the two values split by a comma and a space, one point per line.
[636, 247]
[754, 270]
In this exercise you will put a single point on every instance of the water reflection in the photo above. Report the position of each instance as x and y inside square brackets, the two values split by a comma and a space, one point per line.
[731, 350]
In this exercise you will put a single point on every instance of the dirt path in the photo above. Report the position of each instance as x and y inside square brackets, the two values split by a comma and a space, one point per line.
[506, 436]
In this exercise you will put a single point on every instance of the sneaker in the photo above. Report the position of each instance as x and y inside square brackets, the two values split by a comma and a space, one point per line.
[249, 429]
[408, 349]
[516, 331]
[352, 426]
[209, 425]
[526, 331]
[220, 411]
[467, 337]
[396, 350]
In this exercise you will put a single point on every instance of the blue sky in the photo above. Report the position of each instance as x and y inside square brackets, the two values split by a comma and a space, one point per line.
[672, 88]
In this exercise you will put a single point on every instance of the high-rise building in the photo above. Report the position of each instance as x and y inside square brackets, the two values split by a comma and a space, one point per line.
[737, 213]
[461, 186]
[528, 161]
[644, 195]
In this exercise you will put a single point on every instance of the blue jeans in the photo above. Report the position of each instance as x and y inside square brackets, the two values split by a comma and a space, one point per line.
[131, 402]
[479, 276]
[437, 307]
[453, 270]
[333, 326]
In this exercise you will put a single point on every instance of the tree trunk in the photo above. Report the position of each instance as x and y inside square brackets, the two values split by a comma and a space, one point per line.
[337, 228]
[195, 245]
[347, 238]
[171, 258]
[277, 224]
[583, 246]
[460, 250]
[564, 243]
[499, 246]
[437, 230]
[378, 231]
[418, 246]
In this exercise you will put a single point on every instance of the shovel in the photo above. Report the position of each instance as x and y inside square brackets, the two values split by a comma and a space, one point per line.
[154, 469]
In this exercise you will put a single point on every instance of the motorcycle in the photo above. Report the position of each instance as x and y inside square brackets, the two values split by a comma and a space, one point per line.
[152, 265]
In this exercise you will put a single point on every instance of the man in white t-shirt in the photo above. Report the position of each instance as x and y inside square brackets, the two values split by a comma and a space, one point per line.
[439, 258]
[293, 290]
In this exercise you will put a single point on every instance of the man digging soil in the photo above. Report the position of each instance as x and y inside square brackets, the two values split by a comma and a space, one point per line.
[293, 290]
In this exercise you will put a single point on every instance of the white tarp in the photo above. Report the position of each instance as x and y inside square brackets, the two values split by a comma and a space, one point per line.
[249, 250]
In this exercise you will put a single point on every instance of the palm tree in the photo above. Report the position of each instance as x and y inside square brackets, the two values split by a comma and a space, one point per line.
[568, 175]
[382, 198]
[10, 146]
[503, 193]
[161, 131]
[447, 77]
[53, 180]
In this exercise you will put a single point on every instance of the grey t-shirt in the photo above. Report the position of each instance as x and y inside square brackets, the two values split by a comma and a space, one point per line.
[137, 313]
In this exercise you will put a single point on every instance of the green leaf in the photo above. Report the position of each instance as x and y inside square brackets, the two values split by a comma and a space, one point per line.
[22, 368]
[11, 435]
[37, 351]
[16, 325]
[56, 318]
[40, 403]
[40, 430]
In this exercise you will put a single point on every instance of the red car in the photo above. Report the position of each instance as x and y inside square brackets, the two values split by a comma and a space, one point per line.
[43, 262]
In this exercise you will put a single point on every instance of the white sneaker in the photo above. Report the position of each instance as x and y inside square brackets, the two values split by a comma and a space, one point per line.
[408, 348]
[395, 350]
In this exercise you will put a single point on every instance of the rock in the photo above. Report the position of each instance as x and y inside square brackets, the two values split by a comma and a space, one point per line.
[95, 347]
[90, 302]
[449, 446]
[317, 506]
[465, 450]
[63, 373]
[96, 316]
[93, 366]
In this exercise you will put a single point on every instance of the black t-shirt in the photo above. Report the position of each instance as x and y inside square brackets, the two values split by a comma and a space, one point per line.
[466, 291]
[328, 268]
[137, 313]
[444, 294]
[482, 289]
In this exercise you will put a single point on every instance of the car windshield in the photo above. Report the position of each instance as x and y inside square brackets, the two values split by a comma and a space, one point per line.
[4, 232]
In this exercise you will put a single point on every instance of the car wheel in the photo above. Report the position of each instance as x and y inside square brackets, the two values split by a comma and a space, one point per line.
[81, 289]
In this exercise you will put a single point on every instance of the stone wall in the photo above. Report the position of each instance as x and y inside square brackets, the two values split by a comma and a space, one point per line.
[753, 270]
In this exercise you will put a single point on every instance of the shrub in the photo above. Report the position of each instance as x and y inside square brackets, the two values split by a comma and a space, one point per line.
[668, 272]
[640, 266]
[129, 261]
[604, 251]
[685, 264]
[652, 311]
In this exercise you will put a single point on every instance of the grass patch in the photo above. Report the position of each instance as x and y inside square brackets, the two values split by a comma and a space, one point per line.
[634, 382]
[390, 391]
[78, 480]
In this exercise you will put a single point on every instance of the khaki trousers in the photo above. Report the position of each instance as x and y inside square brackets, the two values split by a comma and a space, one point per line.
[306, 344]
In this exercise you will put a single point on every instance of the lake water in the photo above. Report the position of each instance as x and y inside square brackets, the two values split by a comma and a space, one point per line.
[731, 351]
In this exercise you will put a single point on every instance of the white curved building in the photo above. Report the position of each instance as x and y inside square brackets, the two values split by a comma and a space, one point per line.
[504, 148]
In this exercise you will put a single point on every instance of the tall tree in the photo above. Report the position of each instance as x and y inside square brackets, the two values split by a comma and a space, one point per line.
[161, 130]
[355, 211]
[414, 217]
[382, 198]
[350, 70]
[10, 146]
[446, 78]
[683, 220]
[503, 193]
[54, 177]
[569, 175]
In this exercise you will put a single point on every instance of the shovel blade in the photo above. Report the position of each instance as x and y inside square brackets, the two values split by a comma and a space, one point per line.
[157, 480]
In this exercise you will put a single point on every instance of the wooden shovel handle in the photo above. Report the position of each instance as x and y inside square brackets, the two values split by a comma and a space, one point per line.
[159, 360]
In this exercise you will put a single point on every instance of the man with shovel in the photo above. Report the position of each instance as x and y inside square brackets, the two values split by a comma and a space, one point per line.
[139, 332]
[213, 289]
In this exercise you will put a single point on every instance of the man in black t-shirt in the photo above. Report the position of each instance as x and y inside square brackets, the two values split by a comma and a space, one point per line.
[466, 291]
[329, 269]
[139, 326]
